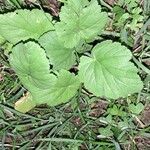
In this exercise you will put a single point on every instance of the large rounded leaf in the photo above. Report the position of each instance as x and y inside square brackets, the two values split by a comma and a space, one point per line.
[31, 65]
[24, 24]
[108, 72]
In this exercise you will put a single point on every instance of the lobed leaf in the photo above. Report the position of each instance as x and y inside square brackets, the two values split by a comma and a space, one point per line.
[108, 72]
[32, 67]
[22, 25]
[81, 20]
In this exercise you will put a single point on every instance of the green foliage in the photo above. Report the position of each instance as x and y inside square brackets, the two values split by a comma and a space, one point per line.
[86, 121]
[115, 111]
[59, 56]
[136, 109]
[43, 53]
[106, 132]
[31, 70]
[35, 75]
[132, 19]
[79, 22]
[130, 4]
[137, 19]
[24, 24]
[64, 88]
[108, 72]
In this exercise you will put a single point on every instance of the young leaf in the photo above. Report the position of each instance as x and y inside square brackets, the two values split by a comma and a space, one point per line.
[115, 111]
[65, 88]
[60, 57]
[108, 71]
[31, 65]
[24, 24]
[80, 20]
[136, 109]
[106, 132]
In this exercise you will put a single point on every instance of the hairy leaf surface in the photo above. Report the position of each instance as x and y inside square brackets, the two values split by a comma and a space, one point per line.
[59, 56]
[80, 21]
[108, 72]
[24, 24]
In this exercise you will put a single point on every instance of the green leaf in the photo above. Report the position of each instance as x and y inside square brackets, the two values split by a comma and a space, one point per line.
[79, 22]
[108, 72]
[65, 88]
[107, 120]
[31, 65]
[136, 109]
[115, 111]
[118, 12]
[123, 125]
[24, 24]
[106, 131]
[59, 56]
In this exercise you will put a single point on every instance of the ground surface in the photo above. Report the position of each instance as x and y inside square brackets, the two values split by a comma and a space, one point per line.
[90, 123]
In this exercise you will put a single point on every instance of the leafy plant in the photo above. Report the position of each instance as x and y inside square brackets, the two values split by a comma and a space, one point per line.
[106, 132]
[130, 4]
[136, 109]
[132, 19]
[45, 50]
